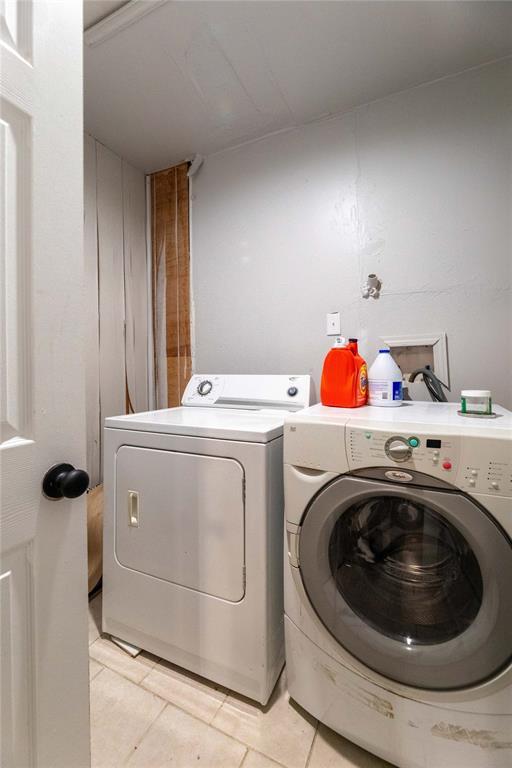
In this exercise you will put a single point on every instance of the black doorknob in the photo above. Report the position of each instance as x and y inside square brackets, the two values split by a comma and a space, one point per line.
[63, 480]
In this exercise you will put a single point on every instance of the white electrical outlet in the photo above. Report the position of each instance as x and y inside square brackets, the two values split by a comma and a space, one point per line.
[333, 324]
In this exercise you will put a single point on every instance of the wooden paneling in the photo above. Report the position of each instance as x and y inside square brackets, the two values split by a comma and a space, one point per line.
[171, 262]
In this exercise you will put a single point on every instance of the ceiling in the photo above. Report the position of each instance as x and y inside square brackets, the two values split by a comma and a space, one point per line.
[198, 77]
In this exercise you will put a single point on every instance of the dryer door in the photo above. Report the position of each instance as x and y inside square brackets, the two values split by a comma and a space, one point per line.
[180, 517]
[414, 582]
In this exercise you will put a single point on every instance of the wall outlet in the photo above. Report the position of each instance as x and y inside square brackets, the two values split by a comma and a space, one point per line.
[333, 324]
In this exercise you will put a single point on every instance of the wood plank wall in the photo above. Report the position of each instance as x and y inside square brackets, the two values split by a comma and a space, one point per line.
[171, 283]
[116, 291]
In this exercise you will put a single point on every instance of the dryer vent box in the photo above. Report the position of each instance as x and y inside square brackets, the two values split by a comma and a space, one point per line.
[416, 351]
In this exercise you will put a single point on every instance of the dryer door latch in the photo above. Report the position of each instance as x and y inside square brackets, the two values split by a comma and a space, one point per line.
[133, 509]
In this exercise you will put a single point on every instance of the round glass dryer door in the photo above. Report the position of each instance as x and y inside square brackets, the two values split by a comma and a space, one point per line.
[414, 582]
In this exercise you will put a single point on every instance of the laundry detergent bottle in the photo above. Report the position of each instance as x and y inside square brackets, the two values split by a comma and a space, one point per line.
[361, 384]
[344, 377]
[385, 381]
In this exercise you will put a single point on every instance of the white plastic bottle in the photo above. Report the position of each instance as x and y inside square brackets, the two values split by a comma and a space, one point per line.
[385, 381]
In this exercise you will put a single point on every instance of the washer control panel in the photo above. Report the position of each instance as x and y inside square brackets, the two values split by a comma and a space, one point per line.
[486, 466]
[435, 455]
[477, 465]
[398, 449]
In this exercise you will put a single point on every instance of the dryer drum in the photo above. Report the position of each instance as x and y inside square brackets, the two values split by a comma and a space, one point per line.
[405, 570]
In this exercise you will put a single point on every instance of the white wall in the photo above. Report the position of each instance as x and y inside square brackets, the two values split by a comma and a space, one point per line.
[415, 187]
[116, 289]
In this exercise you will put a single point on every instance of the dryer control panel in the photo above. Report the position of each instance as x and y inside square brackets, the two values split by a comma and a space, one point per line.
[203, 390]
[250, 392]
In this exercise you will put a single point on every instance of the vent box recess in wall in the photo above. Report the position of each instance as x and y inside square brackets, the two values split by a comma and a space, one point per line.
[416, 351]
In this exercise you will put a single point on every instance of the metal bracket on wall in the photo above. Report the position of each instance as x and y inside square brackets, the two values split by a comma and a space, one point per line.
[372, 287]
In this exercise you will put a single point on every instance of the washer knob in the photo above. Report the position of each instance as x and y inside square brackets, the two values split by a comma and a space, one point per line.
[398, 449]
[204, 387]
[292, 391]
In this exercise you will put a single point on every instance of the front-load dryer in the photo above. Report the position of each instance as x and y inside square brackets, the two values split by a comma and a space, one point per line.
[398, 597]
[193, 563]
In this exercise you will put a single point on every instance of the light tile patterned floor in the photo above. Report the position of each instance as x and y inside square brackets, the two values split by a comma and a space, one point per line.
[146, 713]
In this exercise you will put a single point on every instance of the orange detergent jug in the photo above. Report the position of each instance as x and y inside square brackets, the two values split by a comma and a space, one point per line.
[344, 376]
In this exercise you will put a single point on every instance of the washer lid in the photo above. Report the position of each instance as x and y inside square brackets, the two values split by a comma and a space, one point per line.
[221, 423]
[411, 416]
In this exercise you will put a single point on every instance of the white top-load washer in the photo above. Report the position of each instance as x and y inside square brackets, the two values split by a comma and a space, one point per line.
[398, 580]
[192, 553]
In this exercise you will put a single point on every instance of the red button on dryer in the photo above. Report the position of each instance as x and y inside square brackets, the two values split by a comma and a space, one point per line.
[447, 465]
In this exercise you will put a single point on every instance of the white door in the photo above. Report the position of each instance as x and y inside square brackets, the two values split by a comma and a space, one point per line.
[43, 584]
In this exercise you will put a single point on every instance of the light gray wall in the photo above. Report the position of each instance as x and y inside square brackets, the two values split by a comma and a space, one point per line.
[415, 187]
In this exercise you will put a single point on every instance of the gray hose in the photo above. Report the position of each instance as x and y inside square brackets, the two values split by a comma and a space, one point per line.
[433, 384]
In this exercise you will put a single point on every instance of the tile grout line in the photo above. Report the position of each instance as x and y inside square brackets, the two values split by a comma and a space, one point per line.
[129, 679]
[91, 681]
[93, 641]
[133, 658]
[139, 685]
[313, 740]
[210, 721]
[262, 754]
[164, 703]
[168, 703]
[102, 667]
[234, 738]
[208, 724]
[150, 669]
[136, 746]
[174, 704]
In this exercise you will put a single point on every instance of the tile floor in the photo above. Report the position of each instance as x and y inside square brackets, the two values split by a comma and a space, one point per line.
[146, 713]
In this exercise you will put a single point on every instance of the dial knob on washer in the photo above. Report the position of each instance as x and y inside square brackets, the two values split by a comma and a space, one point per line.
[398, 449]
[204, 387]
